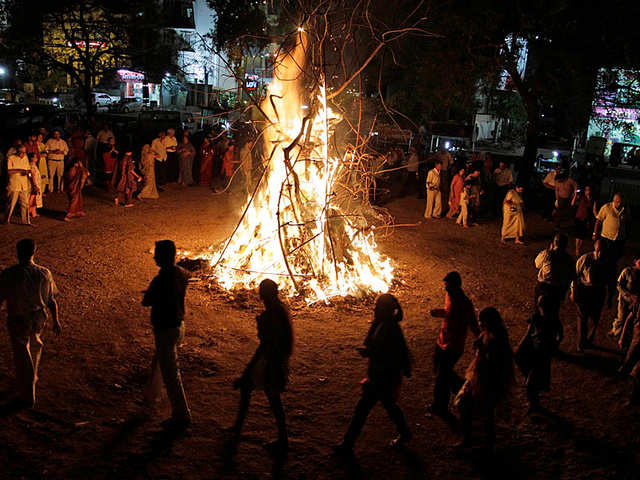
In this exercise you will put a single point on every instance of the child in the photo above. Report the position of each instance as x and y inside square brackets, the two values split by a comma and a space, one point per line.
[389, 360]
[35, 199]
[268, 369]
[165, 296]
[465, 198]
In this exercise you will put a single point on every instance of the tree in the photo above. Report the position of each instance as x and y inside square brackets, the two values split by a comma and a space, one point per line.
[85, 39]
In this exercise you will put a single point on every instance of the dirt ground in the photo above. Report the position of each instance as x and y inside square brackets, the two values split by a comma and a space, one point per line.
[87, 421]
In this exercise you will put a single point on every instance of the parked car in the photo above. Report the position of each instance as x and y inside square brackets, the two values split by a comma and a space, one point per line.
[127, 105]
[101, 99]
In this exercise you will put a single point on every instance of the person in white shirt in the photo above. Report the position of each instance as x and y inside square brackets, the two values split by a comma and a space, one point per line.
[171, 145]
[57, 149]
[434, 206]
[29, 291]
[160, 153]
[549, 183]
[19, 186]
[102, 138]
[504, 181]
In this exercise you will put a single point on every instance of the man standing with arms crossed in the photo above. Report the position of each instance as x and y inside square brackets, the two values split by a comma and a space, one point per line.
[434, 208]
[29, 290]
[57, 149]
[19, 186]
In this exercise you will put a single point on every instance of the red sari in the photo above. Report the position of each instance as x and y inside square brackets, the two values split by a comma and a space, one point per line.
[77, 147]
[457, 184]
[74, 180]
[206, 164]
[227, 162]
[125, 180]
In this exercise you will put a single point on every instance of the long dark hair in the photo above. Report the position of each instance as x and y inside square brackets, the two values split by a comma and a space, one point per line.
[501, 370]
[387, 309]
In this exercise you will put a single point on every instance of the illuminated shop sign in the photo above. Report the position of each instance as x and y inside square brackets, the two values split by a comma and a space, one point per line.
[251, 81]
[130, 75]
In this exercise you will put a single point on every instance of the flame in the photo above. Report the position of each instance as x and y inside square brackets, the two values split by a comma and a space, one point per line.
[293, 230]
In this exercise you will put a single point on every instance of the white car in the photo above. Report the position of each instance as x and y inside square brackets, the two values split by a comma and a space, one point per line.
[100, 99]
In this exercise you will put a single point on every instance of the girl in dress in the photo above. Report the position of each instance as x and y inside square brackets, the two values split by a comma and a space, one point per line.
[35, 199]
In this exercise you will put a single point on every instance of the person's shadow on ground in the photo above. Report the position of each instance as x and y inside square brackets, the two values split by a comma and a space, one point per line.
[604, 364]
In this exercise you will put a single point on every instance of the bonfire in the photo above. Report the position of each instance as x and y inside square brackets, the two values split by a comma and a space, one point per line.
[298, 226]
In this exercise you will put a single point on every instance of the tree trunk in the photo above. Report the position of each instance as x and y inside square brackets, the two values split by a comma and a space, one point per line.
[530, 100]
[531, 141]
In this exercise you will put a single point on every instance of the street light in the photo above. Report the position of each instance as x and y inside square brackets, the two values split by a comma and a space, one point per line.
[2, 71]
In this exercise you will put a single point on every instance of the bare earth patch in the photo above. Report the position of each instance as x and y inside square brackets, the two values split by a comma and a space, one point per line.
[87, 421]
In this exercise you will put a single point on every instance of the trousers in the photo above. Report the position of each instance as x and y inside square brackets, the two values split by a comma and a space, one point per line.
[434, 206]
[373, 392]
[56, 170]
[590, 302]
[21, 196]
[447, 381]
[161, 172]
[165, 369]
[24, 333]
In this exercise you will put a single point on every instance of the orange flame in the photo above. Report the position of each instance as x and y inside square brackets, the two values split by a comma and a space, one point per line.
[291, 231]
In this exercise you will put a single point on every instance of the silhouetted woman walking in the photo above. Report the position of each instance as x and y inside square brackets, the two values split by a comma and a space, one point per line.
[389, 360]
[269, 366]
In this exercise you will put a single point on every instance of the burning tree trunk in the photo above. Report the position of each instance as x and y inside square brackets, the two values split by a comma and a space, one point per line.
[295, 225]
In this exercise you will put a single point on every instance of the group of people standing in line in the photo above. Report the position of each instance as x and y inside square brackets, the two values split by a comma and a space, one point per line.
[36, 167]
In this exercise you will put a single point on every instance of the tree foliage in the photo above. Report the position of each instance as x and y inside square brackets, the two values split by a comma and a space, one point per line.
[85, 39]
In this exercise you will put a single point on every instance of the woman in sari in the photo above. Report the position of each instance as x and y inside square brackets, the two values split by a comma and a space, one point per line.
[207, 152]
[457, 185]
[124, 180]
[75, 178]
[110, 158]
[147, 165]
[35, 199]
[513, 215]
[186, 153]
[227, 162]
[489, 377]
[77, 146]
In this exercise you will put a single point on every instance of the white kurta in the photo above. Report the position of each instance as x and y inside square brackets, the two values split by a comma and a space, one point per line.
[434, 207]
[513, 215]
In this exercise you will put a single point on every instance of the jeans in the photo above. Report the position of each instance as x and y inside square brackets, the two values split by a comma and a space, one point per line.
[164, 368]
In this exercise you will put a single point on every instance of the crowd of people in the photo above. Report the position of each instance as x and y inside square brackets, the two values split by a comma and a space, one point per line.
[590, 280]
[45, 163]
[30, 293]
